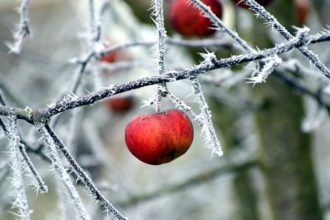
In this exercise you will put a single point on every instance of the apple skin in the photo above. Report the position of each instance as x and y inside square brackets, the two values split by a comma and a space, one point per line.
[120, 104]
[159, 138]
[243, 5]
[189, 21]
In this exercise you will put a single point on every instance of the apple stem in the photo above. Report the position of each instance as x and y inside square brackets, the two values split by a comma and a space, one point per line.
[158, 102]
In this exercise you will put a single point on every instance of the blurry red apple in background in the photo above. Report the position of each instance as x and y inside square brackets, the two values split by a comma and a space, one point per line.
[120, 104]
[159, 137]
[241, 4]
[188, 20]
[111, 57]
[118, 56]
[302, 8]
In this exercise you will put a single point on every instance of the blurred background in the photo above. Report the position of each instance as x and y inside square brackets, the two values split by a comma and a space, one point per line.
[275, 138]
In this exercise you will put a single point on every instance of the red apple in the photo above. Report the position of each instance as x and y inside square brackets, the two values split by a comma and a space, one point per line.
[111, 57]
[302, 10]
[159, 137]
[241, 4]
[188, 20]
[120, 104]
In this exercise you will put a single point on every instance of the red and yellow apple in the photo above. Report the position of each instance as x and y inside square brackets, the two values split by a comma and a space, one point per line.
[159, 137]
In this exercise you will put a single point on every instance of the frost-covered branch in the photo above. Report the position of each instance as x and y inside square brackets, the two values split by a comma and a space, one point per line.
[59, 169]
[41, 186]
[81, 70]
[219, 24]
[95, 33]
[208, 128]
[97, 195]
[21, 202]
[171, 76]
[311, 56]
[94, 36]
[24, 143]
[95, 24]
[267, 69]
[20, 113]
[23, 31]
[158, 13]
[180, 104]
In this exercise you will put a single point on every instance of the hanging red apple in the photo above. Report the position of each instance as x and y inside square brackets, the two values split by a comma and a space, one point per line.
[241, 3]
[159, 137]
[188, 20]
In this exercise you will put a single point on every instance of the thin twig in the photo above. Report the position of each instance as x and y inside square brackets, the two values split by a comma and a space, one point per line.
[80, 211]
[207, 125]
[21, 202]
[97, 195]
[42, 187]
[23, 31]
